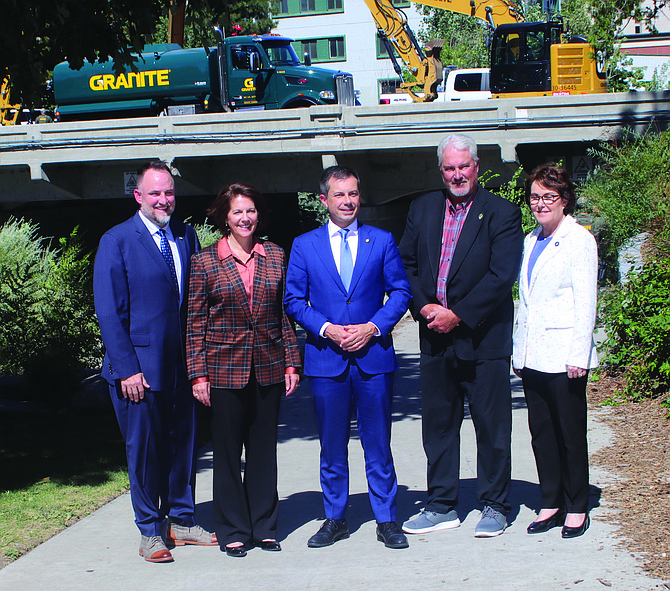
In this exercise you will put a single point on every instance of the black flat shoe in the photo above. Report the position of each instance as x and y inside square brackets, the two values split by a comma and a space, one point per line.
[539, 527]
[269, 545]
[236, 551]
[575, 532]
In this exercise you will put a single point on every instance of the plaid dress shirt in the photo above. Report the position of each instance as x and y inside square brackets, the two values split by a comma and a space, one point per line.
[454, 218]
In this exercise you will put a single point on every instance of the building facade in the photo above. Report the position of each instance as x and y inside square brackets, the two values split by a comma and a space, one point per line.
[342, 35]
[650, 51]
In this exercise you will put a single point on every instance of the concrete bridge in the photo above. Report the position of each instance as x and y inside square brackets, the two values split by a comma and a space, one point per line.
[392, 146]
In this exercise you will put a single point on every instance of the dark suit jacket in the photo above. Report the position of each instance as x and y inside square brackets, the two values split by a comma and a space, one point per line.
[484, 267]
[315, 294]
[225, 335]
[142, 317]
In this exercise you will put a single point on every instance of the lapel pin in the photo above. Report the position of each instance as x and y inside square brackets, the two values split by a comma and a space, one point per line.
[481, 215]
[367, 240]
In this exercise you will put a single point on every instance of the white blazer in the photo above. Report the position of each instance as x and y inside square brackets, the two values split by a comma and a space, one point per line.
[557, 311]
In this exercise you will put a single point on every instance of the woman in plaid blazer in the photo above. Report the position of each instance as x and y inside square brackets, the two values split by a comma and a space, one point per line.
[242, 354]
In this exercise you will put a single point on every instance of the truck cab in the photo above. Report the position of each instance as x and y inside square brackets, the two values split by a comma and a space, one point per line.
[264, 72]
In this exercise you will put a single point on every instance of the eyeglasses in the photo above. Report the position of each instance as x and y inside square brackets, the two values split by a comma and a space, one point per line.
[547, 199]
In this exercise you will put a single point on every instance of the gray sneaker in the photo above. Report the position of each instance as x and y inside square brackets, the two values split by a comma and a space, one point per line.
[428, 521]
[491, 524]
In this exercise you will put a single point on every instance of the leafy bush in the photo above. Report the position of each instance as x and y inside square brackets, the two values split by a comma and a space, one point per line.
[312, 212]
[637, 322]
[629, 189]
[207, 233]
[48, 329]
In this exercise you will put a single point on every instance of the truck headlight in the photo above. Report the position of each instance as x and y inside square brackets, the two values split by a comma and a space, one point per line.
[327, 95]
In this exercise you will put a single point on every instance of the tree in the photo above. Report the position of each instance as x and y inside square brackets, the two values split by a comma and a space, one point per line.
[465, 37]
[608, 17]
[38, 34]
[243, 17]
[600, 21]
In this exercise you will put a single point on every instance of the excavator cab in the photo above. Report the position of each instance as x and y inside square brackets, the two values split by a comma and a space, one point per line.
[521, 57]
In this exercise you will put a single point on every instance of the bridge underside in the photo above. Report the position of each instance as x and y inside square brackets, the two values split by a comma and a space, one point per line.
[393, 147]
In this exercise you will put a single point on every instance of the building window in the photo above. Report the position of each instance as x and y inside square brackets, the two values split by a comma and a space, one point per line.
[390, 86]
[336, 48]
[302, 7]
[382, 54]
[327, 49]
[400, 3]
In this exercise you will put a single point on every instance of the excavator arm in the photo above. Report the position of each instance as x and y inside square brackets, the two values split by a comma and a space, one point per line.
[424, 62]
[494, 12]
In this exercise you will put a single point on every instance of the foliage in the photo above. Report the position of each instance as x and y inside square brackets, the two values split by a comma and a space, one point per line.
[629, 189]
[608, 17]
[513, 190]
[48, 329]
[251, 16]
[38, 34]
[465, 37]
[207, 233]
[637, 322]
[312, 212]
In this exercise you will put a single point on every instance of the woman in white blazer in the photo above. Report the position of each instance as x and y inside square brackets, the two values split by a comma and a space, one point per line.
[554, 348]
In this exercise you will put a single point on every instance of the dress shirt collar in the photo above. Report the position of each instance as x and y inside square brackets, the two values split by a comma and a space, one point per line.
[155, 228]
[334, 228]
[224, 251]
[465, 205]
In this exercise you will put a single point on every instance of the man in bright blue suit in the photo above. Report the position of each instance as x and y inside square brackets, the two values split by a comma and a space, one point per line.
[140, 285]
[337, 278]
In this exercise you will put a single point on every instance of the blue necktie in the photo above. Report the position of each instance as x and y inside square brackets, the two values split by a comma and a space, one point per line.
[346, 260]
[167, 255]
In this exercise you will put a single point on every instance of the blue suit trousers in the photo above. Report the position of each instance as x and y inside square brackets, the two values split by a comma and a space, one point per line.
[159, 432]
[371, 396]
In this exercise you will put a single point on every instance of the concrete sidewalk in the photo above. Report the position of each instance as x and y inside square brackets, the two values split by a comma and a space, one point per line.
[100, 552]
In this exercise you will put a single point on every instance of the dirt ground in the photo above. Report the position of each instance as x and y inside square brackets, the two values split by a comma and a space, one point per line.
[639, 456]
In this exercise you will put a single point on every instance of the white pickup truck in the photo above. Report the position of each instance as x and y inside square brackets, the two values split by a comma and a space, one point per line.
[462, 84]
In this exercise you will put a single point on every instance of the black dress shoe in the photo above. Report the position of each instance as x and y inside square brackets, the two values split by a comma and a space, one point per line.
[330, 532]
[575, 532]
[269, 545]
[236, 551]
[539, 527]
[392, 536]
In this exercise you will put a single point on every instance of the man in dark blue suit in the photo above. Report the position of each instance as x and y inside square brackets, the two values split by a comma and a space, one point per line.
[140, 285]
[336, 281]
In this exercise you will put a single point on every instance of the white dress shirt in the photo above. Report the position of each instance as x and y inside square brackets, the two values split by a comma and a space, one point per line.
[154, 230]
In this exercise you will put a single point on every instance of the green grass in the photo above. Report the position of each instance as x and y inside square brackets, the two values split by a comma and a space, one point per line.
[57, 467]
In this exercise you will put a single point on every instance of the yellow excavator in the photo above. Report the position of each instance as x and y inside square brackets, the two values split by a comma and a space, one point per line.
[9, 113]
[527, 59]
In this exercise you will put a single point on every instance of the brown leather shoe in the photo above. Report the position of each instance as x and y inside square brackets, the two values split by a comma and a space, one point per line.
[179, 535]
[152, 549]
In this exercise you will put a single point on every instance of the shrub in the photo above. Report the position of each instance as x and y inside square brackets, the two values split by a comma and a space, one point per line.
[637, 322]
[207, 233]
[48, 329]
[629, 189]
